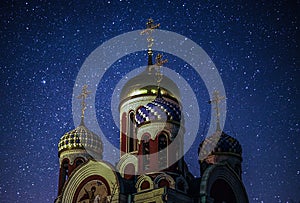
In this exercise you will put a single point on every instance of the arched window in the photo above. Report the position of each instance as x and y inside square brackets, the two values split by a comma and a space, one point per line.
[79, 161]
[162, 144]
[65, 171]
[131, 133]
[145, 185]
[123, 133]
[146, 151]
[129, 171]
[164, 183]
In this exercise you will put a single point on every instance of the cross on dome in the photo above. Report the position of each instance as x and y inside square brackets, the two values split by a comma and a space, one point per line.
[216, 101]
[84, 94]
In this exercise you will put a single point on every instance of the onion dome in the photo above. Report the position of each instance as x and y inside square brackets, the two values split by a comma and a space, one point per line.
[81, 138]
[220, 144]
[159, 109]
[145, 84]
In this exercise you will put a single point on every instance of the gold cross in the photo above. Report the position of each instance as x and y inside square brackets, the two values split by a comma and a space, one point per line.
[216, 100]
[150, 27]
[84, 94]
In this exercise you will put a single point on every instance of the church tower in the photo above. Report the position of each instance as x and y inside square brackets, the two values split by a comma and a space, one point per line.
[220, 159]
[137, 92]
[77, 147]
[152, 130]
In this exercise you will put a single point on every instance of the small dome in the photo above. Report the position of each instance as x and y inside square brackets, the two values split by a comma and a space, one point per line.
[146, 84]
[80, 138]
[159, 109]
[220, 144]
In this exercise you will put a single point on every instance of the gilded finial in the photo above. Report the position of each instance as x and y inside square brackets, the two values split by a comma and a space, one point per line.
[159, 62]
[150, 27]
[216, 100]
[83, 96]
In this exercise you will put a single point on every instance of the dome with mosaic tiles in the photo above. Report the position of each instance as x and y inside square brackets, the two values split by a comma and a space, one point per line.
[81, 138]
[220, 143]
[159, 109]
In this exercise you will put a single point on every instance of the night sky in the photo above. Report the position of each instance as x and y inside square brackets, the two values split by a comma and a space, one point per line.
[253, 45]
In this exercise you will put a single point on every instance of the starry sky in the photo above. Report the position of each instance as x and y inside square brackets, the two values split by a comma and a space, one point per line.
[254, 45]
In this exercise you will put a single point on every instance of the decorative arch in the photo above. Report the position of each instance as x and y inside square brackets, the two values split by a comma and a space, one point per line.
[164, 180]
[90, 173]
[125, 160]
[144, 182]
[129, 171]
[221, 175]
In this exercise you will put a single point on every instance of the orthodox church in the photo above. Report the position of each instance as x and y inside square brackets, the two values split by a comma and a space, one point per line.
[151, 168]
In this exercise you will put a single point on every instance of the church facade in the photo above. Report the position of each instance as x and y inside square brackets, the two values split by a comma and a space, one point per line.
[151, 168]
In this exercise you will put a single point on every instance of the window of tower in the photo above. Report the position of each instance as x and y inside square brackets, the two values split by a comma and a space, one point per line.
[123, 133]
[131, 133]
[163, 183]
[146, 151]
[145, 185]
[79, 161]
[162, 144]
[65, 170]
[129, 171]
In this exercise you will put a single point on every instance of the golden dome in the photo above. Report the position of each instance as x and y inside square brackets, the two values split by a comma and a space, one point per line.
[145, 84]
[80, 138]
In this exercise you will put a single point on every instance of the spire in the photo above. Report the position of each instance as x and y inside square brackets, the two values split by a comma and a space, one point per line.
[159, 93]
[150, 54]
[216, 100]
[83, 96]
[150, 27]
[159, 62]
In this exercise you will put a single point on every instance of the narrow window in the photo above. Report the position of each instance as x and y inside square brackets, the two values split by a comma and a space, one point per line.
[65, 171]
[146, 152]
[162, 144]
[123, 133]
[131, 135]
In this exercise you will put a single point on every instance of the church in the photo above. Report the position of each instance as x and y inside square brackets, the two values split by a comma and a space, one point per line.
[151, 168]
